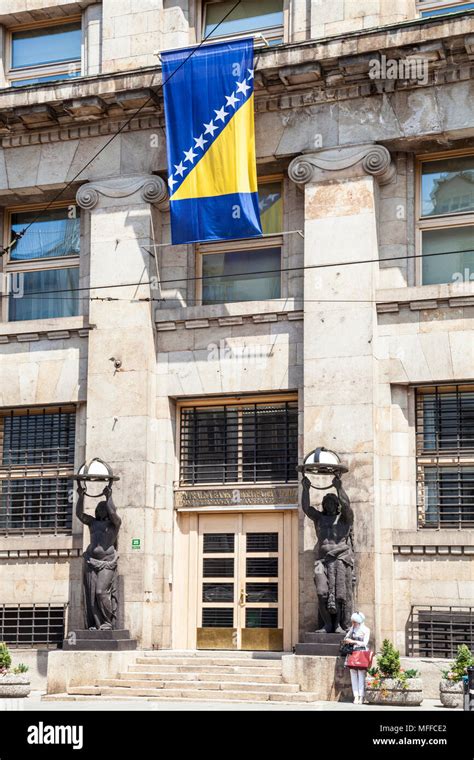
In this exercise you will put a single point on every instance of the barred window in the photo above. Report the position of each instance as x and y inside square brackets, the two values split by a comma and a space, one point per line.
[32, 625]
[36, 465]
[439, 631]
[239, 443]
[445, 456]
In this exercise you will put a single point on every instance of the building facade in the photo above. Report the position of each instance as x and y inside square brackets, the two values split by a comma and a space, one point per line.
[204, 374]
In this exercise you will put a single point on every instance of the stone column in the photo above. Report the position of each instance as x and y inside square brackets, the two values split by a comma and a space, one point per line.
[92, 40]
[121, 393]
[340, 387]
[3, 56]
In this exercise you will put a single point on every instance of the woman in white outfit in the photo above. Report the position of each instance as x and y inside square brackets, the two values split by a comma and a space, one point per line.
[358, 635]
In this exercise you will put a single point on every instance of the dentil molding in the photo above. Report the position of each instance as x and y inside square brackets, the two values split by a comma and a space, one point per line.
[374, 160]
[152, 190]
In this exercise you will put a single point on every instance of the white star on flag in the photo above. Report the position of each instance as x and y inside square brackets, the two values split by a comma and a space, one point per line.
[180, 168]
[172, 182]
[251, 71]
[221, 114]
[200, 142]
[210, 128]
[189, 155]
[231, 100]
[243, 87]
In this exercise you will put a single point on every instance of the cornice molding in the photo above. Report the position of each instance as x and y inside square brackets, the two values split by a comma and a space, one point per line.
[374, 160]
[152, 190]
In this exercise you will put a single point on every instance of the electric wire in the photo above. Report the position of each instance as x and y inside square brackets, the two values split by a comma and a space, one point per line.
[159, 283]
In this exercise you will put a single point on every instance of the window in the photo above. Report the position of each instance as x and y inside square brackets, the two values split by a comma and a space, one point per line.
[239, 442]
[44, 264]
[44, 53]
[36, 465]
[445, 456]
[446, 218]
[246, 270]
[34, 625]
[439, 631]
[434, 8]
[265, 16]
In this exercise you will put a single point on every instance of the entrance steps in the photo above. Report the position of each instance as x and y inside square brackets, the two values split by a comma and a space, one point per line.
[198, 676]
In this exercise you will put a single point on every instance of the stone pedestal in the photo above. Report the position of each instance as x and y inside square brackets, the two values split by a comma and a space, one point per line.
[118, 640]
[320, 644]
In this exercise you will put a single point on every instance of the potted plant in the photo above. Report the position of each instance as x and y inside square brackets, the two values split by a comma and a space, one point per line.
[13, 681]
[451, 689]
[388, 683]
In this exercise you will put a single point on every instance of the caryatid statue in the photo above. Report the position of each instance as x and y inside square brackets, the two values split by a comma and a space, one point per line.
[100, 561]
[334, 565]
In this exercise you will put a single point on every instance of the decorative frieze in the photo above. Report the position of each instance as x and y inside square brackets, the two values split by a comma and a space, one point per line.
[205, 323]
[433, 549]
[39, 553]
[425, 304]
[31, 337]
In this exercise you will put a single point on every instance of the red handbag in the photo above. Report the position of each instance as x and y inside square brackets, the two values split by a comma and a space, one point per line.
[360, 660]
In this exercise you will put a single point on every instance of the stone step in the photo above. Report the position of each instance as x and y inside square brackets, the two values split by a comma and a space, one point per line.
[318, 650]
[288, 688]
[205, 675]
[164, 697]
[206, 669]
[185, 661]
[207, 695]
[215, 653]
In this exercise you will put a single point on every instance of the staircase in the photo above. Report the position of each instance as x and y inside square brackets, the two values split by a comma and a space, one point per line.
[199, 676]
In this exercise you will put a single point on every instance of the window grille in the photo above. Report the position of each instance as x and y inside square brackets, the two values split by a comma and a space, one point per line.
[439, 631]
[248, 443]
[445, 456]
[36, 465]
[33, 625]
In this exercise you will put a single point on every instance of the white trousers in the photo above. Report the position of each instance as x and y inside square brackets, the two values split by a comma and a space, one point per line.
[358, 681]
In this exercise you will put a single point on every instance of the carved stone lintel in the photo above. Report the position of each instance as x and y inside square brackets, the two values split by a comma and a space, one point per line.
[152, 190]
[374, 160]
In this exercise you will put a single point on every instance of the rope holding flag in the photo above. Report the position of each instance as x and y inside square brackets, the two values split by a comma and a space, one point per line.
[212, 173]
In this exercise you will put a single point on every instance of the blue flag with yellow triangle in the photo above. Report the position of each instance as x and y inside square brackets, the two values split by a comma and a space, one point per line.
[212, 174]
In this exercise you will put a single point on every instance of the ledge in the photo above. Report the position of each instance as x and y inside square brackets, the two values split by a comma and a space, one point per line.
[431, 542]
[286, 78]
[227, 315]
[31, 330]
[31, 545]
[423, 297]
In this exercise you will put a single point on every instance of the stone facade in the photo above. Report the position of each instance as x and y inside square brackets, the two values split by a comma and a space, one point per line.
[350, 340]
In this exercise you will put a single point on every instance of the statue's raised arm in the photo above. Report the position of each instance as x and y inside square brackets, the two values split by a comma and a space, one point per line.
[111, 508]
[311, 512]
[81, 515]
[346, 509]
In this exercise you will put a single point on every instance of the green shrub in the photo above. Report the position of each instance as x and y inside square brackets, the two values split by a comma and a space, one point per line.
[20, 668]
[388, 661]
[464, 660]
[5, 659]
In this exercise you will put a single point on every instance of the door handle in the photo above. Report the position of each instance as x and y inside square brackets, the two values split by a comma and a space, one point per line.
[242, 597]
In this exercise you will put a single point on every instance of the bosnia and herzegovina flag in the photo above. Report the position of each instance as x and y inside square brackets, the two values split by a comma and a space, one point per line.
[212, 175]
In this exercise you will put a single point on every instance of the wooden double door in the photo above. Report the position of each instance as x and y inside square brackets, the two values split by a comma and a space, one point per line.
[243, 583]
